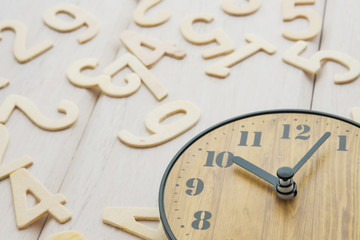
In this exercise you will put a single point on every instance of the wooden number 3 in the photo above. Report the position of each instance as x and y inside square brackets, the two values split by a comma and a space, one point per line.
[164, 132]
[32, 112]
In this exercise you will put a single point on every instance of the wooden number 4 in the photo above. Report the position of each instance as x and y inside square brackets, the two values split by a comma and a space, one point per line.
[23, 183]
[126, 219]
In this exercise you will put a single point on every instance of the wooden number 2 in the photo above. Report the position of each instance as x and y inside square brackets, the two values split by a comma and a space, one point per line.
[143, 21]
[21, 53]
[313, 65]
[230, 8]
[126, 219]
[81, 18]
[290, 13]
[226, 46]
[164, 132]
[104, 80]
[23, 183]
[67, 236]
[70, 110]
[22, 162]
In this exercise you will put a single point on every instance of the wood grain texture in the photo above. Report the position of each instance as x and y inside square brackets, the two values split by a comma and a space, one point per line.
[87, 163]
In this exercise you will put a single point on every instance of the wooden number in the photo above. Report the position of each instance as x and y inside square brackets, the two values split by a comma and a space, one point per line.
[160, 132]
[290, 13]
[221, 69]
[23, 183]
[355, 114]
[23, 162]
[226, 46]
[313, 65]
[81, 18]
[67, 236]
[104, 80]
[21, 53]
[70, 110]
[126, 219]
[143, 21]
[135, 43]
[3, 82]
[230, 8]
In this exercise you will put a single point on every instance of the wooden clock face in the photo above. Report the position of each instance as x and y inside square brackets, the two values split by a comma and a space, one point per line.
[204, 195]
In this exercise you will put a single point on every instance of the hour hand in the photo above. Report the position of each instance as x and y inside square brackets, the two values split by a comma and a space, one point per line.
[255, 170]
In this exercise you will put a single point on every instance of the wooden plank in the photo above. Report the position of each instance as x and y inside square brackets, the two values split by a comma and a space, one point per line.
[43, 81]
[105, 172]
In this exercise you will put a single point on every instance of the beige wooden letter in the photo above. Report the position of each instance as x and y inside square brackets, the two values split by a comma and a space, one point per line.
[141, 71]
[126, 219]
[226, 46]
[23, 183]
[21, 53]
[81, 18]
[23, 162]
[67, 236]
[70, 110]
[355, 114]
[313, 65]
[221, 69]
[135, 43]
[3, 82]
[230, 8]
[290, 13]
[162, 133]
[143, 21]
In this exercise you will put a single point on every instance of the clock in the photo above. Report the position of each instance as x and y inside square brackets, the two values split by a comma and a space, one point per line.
[281, 174]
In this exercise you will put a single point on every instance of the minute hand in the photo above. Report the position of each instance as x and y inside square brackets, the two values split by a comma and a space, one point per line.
[311, 152]
[255, 170]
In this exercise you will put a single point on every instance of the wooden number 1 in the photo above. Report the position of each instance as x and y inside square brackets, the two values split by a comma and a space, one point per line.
[126, 219]
[21, 53]
[70, 110]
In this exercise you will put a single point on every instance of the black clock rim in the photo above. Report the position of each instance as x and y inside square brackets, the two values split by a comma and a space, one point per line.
[163, 219]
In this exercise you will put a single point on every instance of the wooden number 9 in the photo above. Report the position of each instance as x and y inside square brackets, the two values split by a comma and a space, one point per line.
[81, 16]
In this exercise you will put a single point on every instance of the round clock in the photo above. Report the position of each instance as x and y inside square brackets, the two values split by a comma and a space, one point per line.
[284, 174]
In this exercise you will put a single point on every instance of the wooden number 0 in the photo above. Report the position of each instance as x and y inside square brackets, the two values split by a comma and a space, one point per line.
[81, 16]
[32, 112]
[140, 18]
[163, 133]
[21, 53]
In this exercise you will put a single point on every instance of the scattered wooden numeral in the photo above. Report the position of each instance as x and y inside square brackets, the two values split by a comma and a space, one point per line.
[290, 13]
[104, 80]
[126, 219]
[164, 132]
[23, 183]
[143, 21]
[67, 236]
[81, 18]
[135, 43]
[355, 114]
[3, 82]
[21, 53]
[226, 46]
[313, 65]
[230, 8]
[221, 69]
[70, 110]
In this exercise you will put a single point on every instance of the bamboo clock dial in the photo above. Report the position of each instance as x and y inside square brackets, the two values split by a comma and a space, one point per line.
[285, 174]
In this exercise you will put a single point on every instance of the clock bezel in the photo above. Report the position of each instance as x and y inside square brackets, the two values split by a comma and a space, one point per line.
[163, 218]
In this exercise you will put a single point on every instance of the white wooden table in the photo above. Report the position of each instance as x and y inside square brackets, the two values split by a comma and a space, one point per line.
[87, 163]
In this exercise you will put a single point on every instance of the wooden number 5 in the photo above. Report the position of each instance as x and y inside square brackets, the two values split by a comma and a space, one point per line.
[164, 132]
[22, 54]
[32, 112]
[81, 16]
[290, 13]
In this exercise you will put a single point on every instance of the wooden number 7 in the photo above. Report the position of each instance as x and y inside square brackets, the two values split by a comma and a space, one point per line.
[32, 112]
[22, 54]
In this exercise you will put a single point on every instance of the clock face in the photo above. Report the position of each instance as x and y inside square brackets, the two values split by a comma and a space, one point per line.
[205, 195]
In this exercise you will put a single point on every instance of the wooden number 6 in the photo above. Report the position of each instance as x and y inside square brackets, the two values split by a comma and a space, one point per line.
[22, 54]
[81, 16]
[32, 112]
[160, 132]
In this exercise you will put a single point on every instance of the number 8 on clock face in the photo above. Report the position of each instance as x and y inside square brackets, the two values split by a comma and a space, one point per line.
[284, 174]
